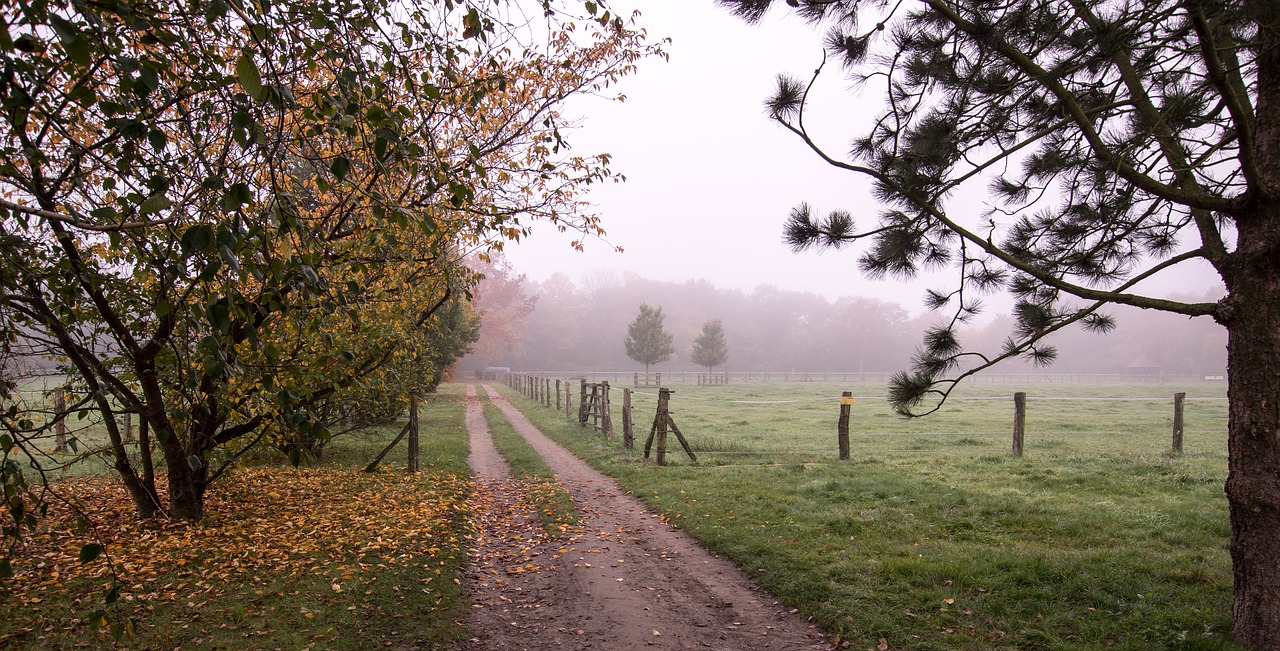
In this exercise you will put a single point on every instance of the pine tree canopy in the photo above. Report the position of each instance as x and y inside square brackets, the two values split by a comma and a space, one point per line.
[1112, 142]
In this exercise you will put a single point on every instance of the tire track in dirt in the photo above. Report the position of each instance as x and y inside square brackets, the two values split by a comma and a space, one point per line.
[621, 579]
[508, 541]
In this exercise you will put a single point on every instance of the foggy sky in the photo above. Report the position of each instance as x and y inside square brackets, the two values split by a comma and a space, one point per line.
[711, 178]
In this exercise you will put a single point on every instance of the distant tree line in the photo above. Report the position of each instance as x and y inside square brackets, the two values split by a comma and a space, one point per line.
[569, 324]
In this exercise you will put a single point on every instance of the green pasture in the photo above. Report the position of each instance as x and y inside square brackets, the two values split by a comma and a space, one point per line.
[933, 535]
[796, 422]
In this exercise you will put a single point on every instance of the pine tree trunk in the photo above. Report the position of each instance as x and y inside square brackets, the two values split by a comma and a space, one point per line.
[1252, 316]
[1253, 479]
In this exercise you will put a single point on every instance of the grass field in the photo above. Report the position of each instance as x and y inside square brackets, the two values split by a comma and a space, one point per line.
[795, 422]
[933, 536]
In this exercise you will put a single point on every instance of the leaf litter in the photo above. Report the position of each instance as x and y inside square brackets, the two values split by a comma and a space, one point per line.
[263, 529]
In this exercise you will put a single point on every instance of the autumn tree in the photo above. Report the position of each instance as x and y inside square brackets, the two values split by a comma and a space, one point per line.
[503, 304]
[646, 341]
[417, 370]
[218, 214]
[710, 348]
[1114, 142]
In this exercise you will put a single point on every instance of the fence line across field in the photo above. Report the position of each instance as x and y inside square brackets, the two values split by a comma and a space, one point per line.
[594, 412]
[691, 377]
[745, 402]
[951, 399]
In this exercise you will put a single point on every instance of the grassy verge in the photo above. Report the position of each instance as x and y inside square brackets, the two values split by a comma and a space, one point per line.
[940, 546]
[316, 557]
[556, 510]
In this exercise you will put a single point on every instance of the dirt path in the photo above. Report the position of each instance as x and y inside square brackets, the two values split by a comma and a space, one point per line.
[623, 579]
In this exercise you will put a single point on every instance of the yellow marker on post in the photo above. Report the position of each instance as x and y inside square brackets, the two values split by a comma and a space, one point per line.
[842, 429]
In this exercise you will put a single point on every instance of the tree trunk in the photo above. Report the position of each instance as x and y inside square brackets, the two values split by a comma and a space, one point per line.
[1253, 478]
[142, 490]
[186, 492]
[1252, 316]
[148, 464]
[186, 483]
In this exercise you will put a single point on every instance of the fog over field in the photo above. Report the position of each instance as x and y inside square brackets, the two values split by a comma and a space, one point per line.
[567, 324]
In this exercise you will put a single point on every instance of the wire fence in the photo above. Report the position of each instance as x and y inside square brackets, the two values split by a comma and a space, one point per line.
[671, 378]
[764, 423]
[72, 440]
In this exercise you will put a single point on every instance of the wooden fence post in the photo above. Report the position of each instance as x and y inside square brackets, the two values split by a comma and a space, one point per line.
[582, 403]
[373, 465]
[660, 427]
[842, 428]
[627, 441]
[606, 418]
[1179, 399]
[1019, 420]
[60, 422]
[413, 435]
[557, 395]
[546, 392]
[568, 401]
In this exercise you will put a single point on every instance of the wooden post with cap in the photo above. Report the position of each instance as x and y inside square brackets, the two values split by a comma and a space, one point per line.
[842, 428]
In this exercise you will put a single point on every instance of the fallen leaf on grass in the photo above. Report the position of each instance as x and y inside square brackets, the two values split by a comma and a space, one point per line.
[263, 523]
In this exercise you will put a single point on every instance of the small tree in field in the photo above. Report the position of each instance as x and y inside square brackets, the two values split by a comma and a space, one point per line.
[646, 341]
[1114, 142]
[709, 348]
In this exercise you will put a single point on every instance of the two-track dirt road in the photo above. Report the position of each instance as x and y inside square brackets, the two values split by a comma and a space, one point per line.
[622, 579]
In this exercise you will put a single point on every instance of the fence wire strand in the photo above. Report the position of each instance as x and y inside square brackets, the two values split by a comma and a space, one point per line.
[1063, 435]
